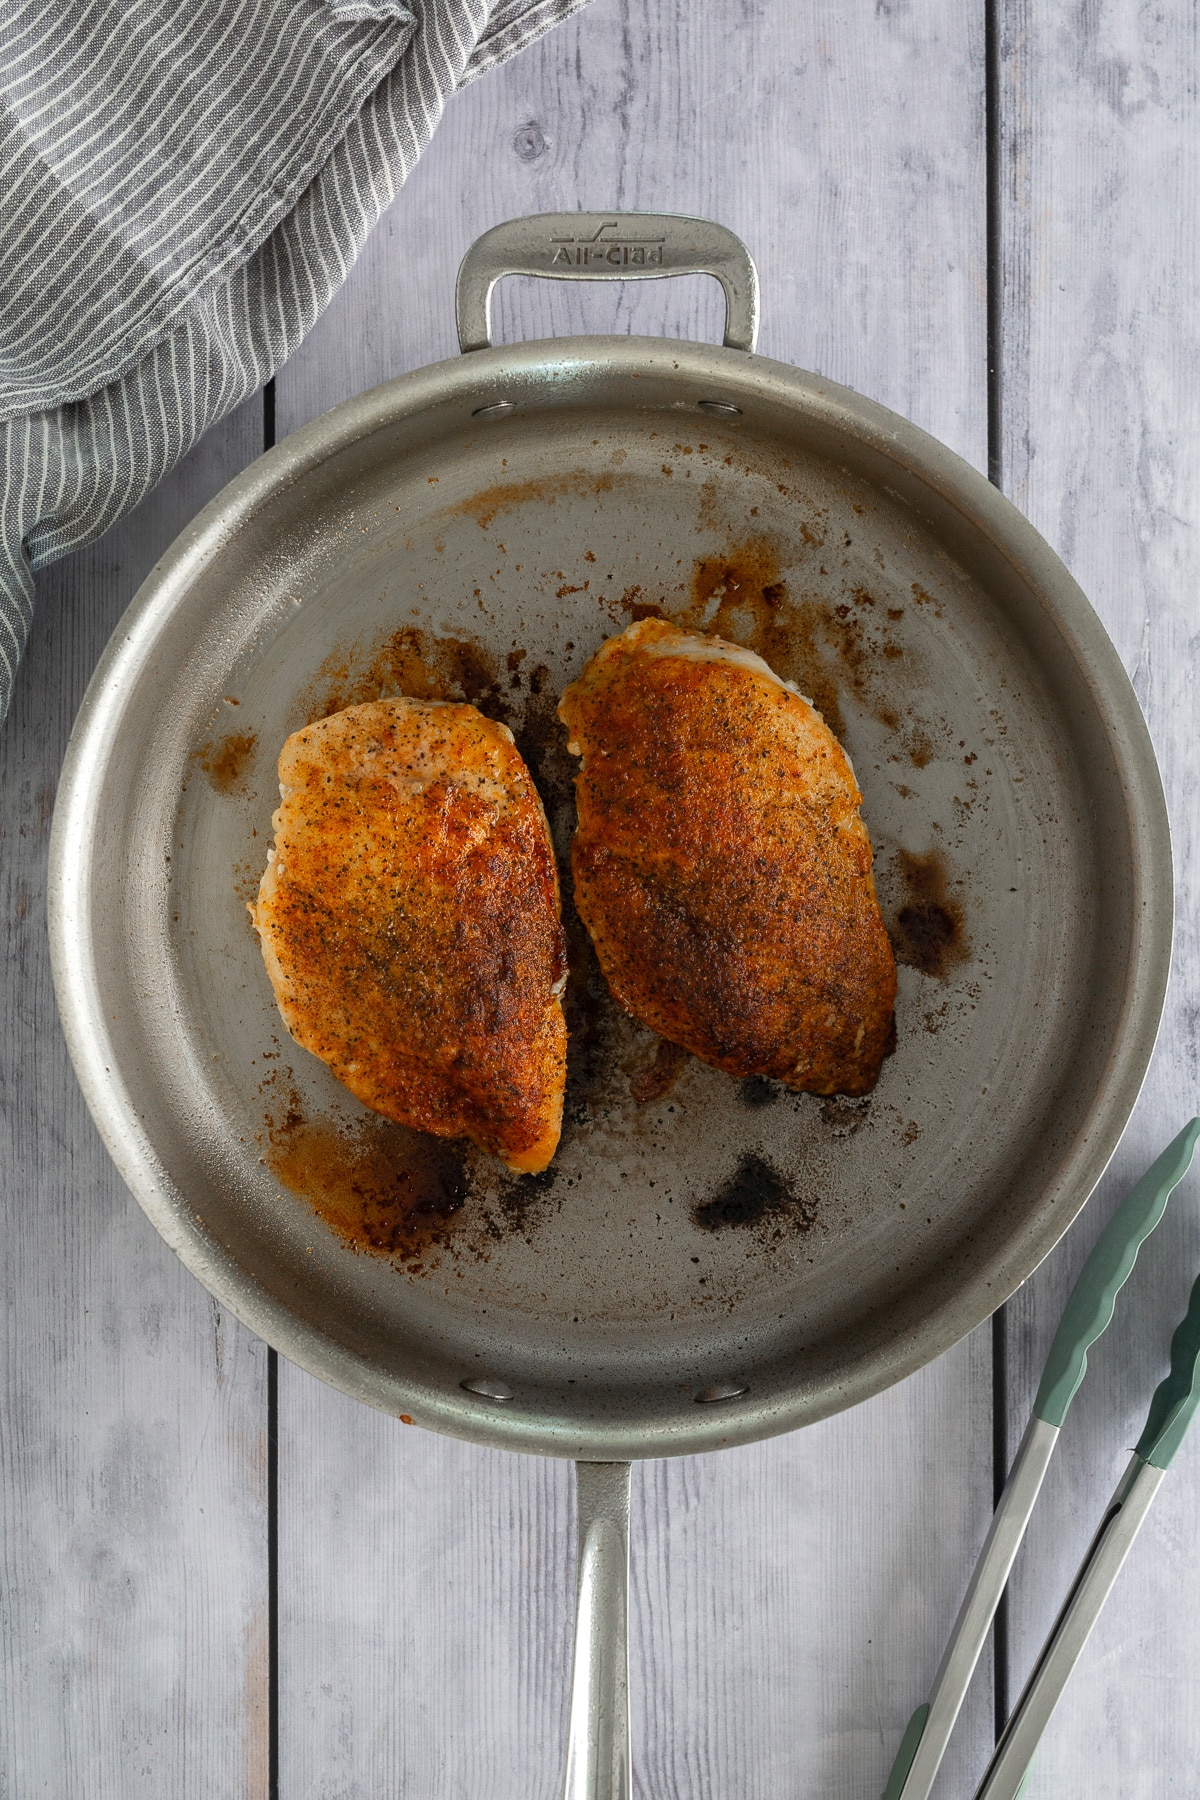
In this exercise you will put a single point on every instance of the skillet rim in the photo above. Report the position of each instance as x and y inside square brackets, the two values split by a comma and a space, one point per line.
[479, 376]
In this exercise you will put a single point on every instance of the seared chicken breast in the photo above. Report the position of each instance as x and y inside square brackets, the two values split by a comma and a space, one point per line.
[721, 865]
[409, 921]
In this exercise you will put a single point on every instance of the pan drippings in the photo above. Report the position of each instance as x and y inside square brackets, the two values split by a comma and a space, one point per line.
[379, 1186]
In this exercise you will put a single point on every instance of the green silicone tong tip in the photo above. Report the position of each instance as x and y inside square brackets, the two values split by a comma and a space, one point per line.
[1088, 1312]
[1090, 1308]
[905, 1754]
[1177, 1396]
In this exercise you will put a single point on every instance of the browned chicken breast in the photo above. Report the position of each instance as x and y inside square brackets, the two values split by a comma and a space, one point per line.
[721, 865]
[409, 920]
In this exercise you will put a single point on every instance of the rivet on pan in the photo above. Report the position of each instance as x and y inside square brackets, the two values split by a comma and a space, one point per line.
[725, 408]
[496, 407]
[720, 1390]
[491, 1390]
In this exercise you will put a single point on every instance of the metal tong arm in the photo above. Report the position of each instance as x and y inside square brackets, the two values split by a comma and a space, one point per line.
[929, 1729]
[1093, 1584]
[1172, 1409]
[1087, 1314]
[598, 1766]
[610, 246]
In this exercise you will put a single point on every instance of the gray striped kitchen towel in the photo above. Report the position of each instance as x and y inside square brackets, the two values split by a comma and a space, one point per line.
[182, 189]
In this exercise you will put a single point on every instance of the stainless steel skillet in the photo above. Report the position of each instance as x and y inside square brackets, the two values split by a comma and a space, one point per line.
[707, 1262]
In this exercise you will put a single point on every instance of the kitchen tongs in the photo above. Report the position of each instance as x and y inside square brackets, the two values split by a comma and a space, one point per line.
[1087, 1315]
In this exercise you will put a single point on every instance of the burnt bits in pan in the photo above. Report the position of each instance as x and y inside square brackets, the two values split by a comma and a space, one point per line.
[755, 1195]
[843, 1116]
[758, 1091]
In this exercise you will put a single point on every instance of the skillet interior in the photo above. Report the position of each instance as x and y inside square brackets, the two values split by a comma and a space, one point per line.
[693, 1231]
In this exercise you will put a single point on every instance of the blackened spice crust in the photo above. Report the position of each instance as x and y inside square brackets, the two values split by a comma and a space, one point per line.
[722, 867]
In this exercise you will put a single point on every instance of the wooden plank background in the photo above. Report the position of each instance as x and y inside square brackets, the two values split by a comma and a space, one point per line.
[133, 1453]
[789, 1599]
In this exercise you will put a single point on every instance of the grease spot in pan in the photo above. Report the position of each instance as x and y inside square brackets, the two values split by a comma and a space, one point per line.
[380, 1187]
[930, 931]
[226, 760]
[484, 507]
[400, 1194]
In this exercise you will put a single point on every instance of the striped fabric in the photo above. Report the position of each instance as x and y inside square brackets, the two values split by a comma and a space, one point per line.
[182, 190]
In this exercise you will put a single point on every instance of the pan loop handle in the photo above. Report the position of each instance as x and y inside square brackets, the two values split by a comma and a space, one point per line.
[608, 246]
[598, 1733]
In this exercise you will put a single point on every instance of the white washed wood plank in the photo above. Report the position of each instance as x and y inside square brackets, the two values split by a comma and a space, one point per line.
[788, 1601]
[1101, 444]
[791, 1599]
[424, 1608]
[133, 1452]
[844, 142]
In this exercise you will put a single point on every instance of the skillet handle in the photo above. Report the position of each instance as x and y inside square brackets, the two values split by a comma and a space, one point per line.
[607, 247]
[598, 1735]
